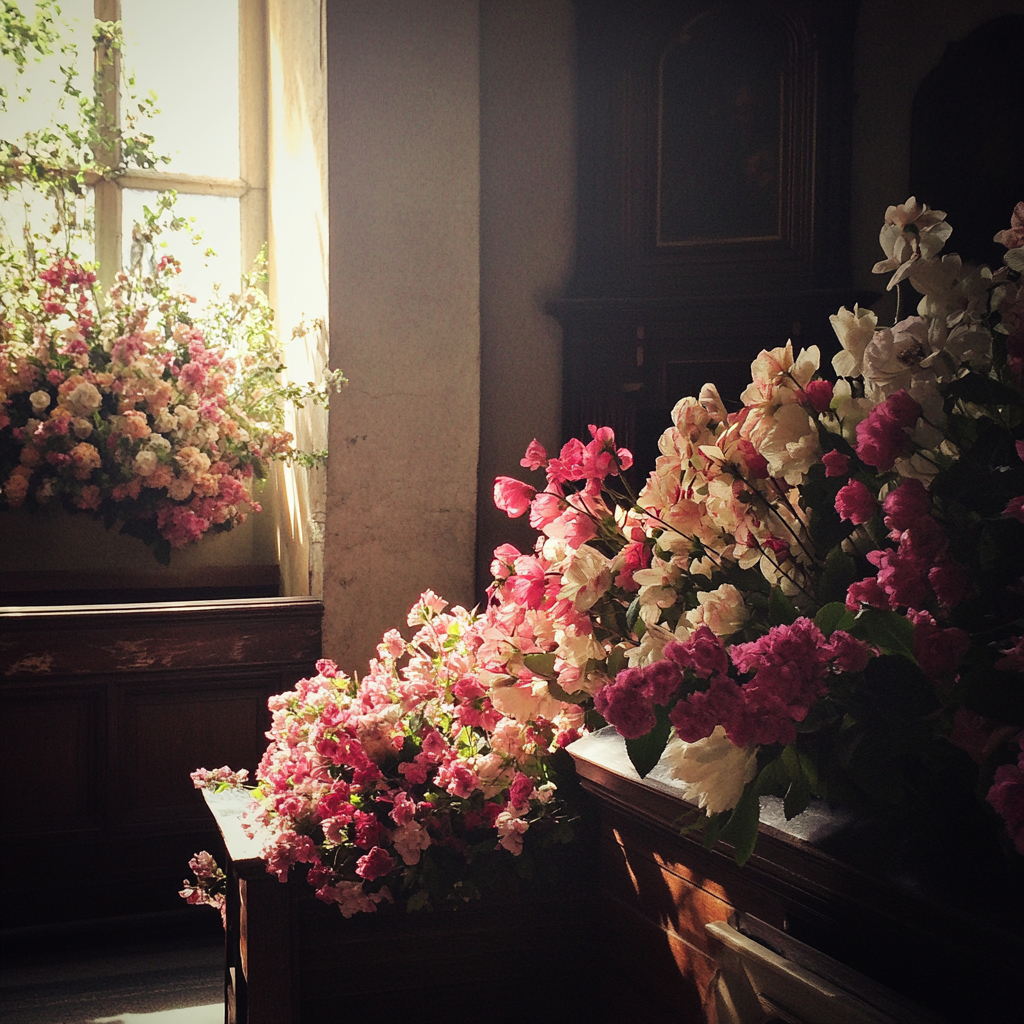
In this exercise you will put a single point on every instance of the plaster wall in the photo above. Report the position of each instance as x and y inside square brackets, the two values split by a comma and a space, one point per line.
[527, 236]
[404, 148]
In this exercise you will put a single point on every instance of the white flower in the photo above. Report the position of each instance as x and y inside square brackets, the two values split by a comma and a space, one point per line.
[410, 840]
[911, 233]
[578, 650]
[854, 331]
[587, 577]
[713, 770]
[723, 610]
[187, 418]
[525, 702]
[40, 400]
[83, 399]
[165, 422]
[652, 645]
[788, 439]
[145, 462]
[179, 488]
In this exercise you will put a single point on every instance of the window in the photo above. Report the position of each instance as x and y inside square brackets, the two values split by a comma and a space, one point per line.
[191, 57]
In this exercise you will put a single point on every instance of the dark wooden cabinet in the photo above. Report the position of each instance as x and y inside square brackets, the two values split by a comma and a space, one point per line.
[713, 199]
[106, 710]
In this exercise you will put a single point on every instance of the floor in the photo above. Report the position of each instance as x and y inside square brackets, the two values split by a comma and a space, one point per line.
[162, 971]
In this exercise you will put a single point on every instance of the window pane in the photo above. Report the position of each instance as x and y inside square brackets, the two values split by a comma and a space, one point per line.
[35, 98]
[27, 205]
[216, 219]
[187, 53]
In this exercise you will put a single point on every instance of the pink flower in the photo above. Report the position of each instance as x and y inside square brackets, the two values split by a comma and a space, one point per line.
[536, 457]
[835, 463]
[624, 705]
[1013, 657]
[855, 503]
[1015, 508]
[938, 651]
[1007, 797]
[907, 504]
[404, 809]
[866, 592]
[374, 864]
[819, 394]
[846, 653]
[1013, 236]
[704, 652]
[512, 496]
[545, 509]
[882, 436]
[520, 791]
[368, 830]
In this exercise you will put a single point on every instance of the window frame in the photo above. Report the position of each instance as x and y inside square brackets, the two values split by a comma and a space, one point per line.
[249, 188]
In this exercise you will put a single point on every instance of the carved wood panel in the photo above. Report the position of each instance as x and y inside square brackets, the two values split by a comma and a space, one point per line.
[106, 711]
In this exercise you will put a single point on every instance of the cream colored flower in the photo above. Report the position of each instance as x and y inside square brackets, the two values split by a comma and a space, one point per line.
[40, 400]
[778, 378]
[192, 461]
[187, 418]
[911, 233]
[854, 331]
[723, 611]
[577, 650]
[587, 577]
[713, 771]
[788, 440]
[524, 702]
[83, 400]
[179, 488]
[165, 422]
[145, 462]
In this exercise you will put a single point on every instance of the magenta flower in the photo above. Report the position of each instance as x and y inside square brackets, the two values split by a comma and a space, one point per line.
[855, 503]
[624, 705]
[819, 394]
[1007, 797]
[907, 504]
[374, 864]
[835, 463]
[882, 436]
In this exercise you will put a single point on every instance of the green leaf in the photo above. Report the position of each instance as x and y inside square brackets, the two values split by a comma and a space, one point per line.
[982, 389]
[645, 751]
[773, 778]
[890, 632]
[576, 697]
[541, 665]
[741, 828]
[839, 572]
[417, 901]
[833, 616]
[162, 551]
[633, 613]
[616, 661]
[781, 611]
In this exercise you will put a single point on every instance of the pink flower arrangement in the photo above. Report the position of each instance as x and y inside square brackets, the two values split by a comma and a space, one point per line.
[817, 594]
[832, 568]
[414, 784]
[129, 407]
